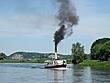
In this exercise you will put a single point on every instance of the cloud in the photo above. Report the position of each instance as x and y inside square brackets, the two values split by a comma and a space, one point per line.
[94, 26]
[92, 23]
[24, 24]
[22, 17]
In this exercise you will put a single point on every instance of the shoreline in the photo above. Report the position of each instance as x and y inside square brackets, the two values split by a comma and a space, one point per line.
[69, 61]
[95, 63]
[91, 63]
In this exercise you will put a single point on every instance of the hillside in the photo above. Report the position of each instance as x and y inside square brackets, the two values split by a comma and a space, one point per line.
[32, 55]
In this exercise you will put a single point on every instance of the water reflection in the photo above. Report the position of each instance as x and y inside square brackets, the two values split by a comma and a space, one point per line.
[23, 73]
[74, 74]
[58, 76]
[100, 75]
[78, 74]
[90, 75]
[82, 74]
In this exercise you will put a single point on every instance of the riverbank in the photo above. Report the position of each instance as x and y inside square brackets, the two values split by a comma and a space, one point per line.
[95, 63]
[22, 61]
[69, 61]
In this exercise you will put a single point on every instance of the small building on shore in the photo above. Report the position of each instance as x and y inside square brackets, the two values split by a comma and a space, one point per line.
[17, 56]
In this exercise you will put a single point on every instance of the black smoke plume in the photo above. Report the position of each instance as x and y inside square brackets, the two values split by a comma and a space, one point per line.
[67, 17]
[59, 35]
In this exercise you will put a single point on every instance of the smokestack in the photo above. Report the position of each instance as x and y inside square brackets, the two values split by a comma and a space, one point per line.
[56, 56]
[67, 17]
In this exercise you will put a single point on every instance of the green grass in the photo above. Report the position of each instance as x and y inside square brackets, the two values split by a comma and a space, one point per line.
[10, 61]
[22, 61]
[95, 63]
[69, 61]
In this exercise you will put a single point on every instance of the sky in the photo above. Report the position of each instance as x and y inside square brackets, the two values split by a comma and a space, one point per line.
[29, 25]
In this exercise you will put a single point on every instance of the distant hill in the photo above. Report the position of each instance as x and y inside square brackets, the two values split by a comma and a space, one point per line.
[32, 55]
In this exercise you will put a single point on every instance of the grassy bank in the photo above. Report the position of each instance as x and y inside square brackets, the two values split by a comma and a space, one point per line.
[95, 63]
[22, 61]
[69, 61]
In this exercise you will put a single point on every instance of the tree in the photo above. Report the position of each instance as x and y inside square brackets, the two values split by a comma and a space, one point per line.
[99, 49]
[2, 56]
[105, 52]
[100, 41]
[78, 53]
[95, 52]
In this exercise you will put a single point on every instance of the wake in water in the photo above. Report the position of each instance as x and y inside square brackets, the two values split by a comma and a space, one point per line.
[40, 66]
[60, 68]
[29, 65]
[22, 65]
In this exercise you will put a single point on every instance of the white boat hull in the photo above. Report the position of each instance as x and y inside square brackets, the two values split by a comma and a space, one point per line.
[55, 64]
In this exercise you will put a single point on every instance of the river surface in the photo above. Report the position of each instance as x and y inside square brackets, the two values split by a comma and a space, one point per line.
[35, 73]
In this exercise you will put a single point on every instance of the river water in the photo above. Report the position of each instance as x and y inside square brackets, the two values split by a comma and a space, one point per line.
[35, 73]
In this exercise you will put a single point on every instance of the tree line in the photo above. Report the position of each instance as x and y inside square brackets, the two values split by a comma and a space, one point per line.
[100, 50]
